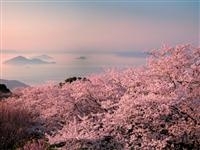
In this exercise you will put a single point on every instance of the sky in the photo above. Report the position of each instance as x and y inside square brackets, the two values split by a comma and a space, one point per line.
[106, 33]
[97, 26]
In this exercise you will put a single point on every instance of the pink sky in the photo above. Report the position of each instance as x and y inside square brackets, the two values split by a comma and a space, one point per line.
[47, 28]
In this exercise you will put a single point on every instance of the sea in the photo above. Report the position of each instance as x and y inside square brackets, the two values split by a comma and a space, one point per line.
[67, 65]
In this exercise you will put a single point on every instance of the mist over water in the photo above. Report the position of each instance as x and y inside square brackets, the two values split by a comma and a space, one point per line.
[66, 65]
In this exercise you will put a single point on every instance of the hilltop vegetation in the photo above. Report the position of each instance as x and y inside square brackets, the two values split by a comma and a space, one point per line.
[156, 106]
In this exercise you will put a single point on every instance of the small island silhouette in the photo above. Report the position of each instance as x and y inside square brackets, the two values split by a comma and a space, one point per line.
[21, 60]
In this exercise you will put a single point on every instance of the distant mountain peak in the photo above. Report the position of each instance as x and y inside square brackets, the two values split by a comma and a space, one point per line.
[19, 57]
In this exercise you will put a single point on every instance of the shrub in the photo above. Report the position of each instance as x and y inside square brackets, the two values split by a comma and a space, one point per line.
[13, 125]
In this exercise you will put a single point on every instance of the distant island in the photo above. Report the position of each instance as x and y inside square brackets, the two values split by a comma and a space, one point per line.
[43, 57]
[21, 60]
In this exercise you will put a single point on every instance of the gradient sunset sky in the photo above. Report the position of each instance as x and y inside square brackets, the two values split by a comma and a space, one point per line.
[93, 26]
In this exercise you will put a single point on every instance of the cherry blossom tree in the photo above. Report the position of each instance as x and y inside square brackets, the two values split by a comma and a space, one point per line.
[155, 106]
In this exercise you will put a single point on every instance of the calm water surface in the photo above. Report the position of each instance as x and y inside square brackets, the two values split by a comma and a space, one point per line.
[66, 65]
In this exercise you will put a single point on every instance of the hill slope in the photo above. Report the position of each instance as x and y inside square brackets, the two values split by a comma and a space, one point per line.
[12, 84]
